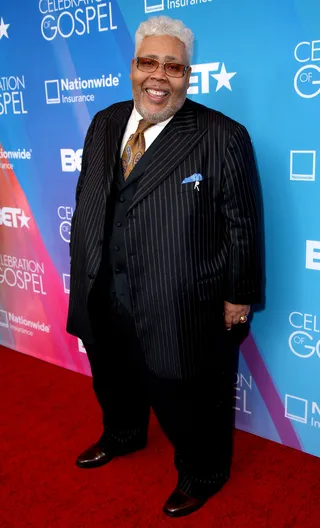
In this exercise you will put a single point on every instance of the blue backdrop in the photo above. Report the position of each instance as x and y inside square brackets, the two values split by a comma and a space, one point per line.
[258, 62]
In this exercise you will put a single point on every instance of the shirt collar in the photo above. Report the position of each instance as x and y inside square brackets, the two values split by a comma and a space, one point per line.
[135, 115]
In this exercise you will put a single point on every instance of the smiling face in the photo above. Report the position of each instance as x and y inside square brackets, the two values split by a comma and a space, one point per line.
[158, 96]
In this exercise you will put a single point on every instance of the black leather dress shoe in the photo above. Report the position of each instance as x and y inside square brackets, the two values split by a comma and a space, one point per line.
[97, 455]
[94, 456]
[180, 504]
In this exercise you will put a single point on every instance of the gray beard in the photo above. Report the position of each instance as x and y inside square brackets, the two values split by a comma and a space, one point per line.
[163, 115]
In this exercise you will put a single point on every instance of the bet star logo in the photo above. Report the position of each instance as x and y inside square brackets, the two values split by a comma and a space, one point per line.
[24, 220]
[9, 217]
[3, 29]
[201, 75]
[223, 78]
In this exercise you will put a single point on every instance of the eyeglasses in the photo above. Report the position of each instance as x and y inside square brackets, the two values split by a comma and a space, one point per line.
[172, 69]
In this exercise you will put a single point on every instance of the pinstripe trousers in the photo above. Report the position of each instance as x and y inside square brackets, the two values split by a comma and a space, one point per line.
[195, 415]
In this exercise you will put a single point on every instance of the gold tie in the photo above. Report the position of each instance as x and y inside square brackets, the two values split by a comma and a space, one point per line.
[134, 148]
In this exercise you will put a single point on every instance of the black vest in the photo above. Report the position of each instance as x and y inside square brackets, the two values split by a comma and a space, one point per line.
[112, 280]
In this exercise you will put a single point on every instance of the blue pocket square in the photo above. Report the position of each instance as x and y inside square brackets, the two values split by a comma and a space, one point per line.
[193, 178]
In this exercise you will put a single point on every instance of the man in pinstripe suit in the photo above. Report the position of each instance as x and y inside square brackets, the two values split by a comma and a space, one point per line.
[165, 261]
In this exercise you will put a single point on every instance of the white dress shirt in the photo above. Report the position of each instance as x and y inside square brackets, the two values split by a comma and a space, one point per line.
[149, 135]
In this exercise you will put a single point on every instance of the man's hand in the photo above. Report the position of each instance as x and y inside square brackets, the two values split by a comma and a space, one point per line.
[233, 313]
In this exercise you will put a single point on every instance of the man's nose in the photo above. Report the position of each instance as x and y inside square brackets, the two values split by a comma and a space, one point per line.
[159, 74]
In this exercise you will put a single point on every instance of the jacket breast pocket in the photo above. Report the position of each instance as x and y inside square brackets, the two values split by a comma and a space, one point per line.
[211, 289]
[186, 187]
[195, 187]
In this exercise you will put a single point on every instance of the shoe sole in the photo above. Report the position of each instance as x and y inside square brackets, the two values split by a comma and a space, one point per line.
[92, 465]
[183, 513]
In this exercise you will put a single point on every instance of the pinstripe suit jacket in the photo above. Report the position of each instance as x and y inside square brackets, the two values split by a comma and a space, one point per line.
[187, 250]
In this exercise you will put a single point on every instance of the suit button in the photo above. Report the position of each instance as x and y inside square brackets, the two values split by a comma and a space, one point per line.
[91, 276]
[121, 199]
[118, 224]
[116, 248]
[117, 270]
[114, 292]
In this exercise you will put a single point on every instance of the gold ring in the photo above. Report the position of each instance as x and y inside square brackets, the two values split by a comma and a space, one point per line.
[243, 319]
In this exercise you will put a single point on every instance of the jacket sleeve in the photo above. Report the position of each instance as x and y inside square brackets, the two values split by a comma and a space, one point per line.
[242, 219]
[84, 165]
[85, 157]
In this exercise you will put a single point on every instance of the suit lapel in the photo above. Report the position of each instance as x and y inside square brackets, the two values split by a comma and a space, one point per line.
[178, 138]
[113, 137]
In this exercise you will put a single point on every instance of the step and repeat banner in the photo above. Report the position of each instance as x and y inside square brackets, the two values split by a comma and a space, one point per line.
[258, 62]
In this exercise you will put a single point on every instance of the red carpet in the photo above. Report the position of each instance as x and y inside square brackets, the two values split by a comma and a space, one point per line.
[48, 415]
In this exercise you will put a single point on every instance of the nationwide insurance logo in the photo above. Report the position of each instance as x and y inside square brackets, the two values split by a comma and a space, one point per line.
[78, 90]
[18, 323]
[302, 410]
[151, 6]
[66, 283]
[303, 165]
[7, 157]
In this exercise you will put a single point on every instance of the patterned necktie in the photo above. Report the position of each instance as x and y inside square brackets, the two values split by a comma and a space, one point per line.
[134, 148]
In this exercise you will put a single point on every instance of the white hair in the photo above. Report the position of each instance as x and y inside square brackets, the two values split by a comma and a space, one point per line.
[164, 25]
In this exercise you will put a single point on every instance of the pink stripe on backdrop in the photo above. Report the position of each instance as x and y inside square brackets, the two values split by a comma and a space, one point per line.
[269, 393]
[40, 297]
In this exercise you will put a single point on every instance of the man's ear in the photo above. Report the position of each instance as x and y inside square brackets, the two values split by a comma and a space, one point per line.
[188, 75]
